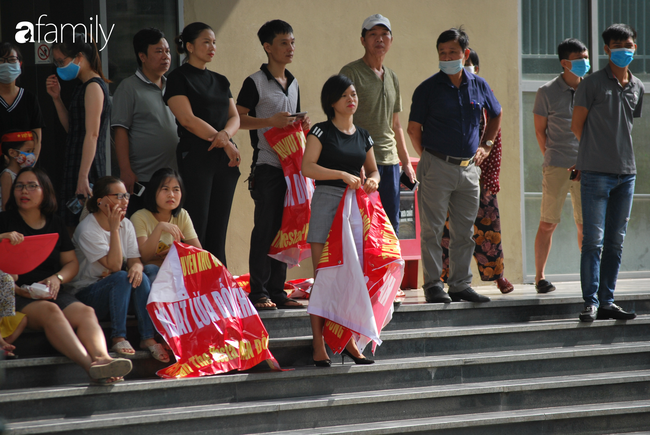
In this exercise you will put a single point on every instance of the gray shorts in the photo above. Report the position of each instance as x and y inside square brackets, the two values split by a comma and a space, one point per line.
[62, 300]
[324, 204]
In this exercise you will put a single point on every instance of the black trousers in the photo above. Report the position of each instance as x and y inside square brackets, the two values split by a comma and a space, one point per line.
[267, 274]
[210, 187]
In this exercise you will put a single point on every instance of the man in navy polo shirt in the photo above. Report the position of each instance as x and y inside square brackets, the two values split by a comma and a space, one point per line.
[444, 130]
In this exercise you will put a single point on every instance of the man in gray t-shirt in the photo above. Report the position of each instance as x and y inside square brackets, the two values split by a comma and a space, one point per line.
[553, 110]
[145, 131]
[605, 105]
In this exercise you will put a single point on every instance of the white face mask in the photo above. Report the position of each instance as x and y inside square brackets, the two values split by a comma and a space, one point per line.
[451, 67]
[471, 69]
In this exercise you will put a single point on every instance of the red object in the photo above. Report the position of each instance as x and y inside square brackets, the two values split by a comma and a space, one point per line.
[411, 252]
[205, 317]
[290, 244]
[27, 255]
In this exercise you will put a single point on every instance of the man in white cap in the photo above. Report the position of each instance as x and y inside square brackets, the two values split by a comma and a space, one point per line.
[379, 105]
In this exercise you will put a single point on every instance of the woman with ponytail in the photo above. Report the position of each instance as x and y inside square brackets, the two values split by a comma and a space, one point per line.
[207, 119]
[86, 119]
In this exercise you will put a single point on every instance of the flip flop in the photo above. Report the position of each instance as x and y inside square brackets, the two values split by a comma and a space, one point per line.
[10, 355]
[114, 369]
[290, 304]
[120, 347]
[158, 352]
[262, 304]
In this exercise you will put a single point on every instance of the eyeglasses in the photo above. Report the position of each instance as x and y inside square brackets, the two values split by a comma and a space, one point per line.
[10, 59]
[60, 63]
[120, 196]
[30, 187]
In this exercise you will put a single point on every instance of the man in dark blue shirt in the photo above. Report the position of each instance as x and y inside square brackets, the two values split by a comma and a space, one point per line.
[444, 130]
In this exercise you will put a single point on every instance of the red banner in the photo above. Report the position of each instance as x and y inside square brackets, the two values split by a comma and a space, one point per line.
[290, 244]
[359, 273]
[205, 317]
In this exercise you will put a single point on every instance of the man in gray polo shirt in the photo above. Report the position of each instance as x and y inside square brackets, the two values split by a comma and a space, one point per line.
[379, 105]
[553, 110]
[606, 103]
[145, 131]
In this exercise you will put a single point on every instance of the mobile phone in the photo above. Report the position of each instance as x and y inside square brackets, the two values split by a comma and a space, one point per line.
[138, 189]
[573, 175]
[404, 179]
[299, 115]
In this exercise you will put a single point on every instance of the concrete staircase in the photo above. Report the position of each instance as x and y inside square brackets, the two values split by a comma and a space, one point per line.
[520, 363]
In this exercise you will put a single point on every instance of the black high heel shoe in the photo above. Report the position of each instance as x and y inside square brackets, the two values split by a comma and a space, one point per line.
[356, 360]
[323, 363]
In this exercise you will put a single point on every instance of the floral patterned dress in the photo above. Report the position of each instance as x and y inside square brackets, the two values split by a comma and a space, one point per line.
[487, 226]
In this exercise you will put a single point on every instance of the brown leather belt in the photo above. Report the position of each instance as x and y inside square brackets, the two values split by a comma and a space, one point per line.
[452, 160]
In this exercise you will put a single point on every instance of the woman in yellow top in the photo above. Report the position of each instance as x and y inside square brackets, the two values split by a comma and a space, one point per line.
[163, 220]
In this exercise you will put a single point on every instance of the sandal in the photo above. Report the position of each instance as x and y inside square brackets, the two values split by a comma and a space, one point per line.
[290, 303]
[124, 349]
[504, 285]
[10, 355]
[106, 381]
[114, 369]
[158, 352]
[264, 304]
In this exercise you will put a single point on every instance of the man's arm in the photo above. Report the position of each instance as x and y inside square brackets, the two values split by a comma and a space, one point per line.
[122, 150]
[414, 131]
[578, 120]
[491, 129]
[541, 122]
[402, 152]
[279, 120]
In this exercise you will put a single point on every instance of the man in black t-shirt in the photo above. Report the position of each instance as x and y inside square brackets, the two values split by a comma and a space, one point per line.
[267, 99]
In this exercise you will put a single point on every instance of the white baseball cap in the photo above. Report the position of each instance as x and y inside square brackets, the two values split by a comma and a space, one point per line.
[374, 20]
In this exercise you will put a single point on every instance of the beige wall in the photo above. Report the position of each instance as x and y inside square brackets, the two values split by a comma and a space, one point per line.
[327, 37]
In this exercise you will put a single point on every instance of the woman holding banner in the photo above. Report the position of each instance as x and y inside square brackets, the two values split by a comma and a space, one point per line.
[335, 152]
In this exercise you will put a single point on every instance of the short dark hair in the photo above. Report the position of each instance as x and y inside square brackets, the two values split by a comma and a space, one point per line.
[273, 28]
[332, 91]
[454, 34]
[101, 188]
[364, 30]
[155, 184]
[473, 57]
[48, 205]
[5, 50]
[618, 32]
[143, 39]
[570, 46]
[190, 33]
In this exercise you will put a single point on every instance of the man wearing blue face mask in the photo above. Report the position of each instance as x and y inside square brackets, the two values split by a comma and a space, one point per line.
[553, 110]
[606, 104]
[444, 130]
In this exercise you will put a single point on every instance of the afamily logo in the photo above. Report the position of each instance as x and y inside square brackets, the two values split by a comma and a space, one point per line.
[30, 32]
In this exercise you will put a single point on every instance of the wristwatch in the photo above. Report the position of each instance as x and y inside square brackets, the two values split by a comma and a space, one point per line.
[488, 143]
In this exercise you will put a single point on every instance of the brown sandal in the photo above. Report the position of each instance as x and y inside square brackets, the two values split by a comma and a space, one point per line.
[504, 285]
[264, 304]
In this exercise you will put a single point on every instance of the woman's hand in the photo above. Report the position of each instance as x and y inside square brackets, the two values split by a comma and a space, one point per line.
[220, 140]
[233, 153]
[83, 188]
[53, 87]
[370, 185]
[135, 274]
[54, 284]
[351, 180]
[13, 236]
[115, 216]
[172, 229]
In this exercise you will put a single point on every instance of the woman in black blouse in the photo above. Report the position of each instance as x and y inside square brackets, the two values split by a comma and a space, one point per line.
[31, 211]
[336, 151]
[207, 119]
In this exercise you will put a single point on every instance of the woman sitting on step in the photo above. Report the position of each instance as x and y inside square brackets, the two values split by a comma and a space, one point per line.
[31, 211]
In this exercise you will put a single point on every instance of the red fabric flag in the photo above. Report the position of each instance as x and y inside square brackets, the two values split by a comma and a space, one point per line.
[290, 244]
[205, 317]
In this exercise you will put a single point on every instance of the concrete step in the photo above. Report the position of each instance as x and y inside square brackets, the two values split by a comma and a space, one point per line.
[425, 372]
[291, 323]
[463, 402]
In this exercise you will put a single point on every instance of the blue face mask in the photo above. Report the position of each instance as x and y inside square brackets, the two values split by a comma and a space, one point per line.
[68, 72]
[580, 67]
[9, 72]
[621, 57]
[25, 160]
[451, 67]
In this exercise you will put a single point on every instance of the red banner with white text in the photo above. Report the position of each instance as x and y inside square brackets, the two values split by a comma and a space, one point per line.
[290, 244]
[205, 317]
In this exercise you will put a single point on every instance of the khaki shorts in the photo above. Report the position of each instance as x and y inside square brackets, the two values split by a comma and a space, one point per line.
[555, 186]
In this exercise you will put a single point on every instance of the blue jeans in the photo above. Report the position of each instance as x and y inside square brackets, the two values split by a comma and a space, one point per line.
[606, 206]
[111, 296]
[389, 193]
